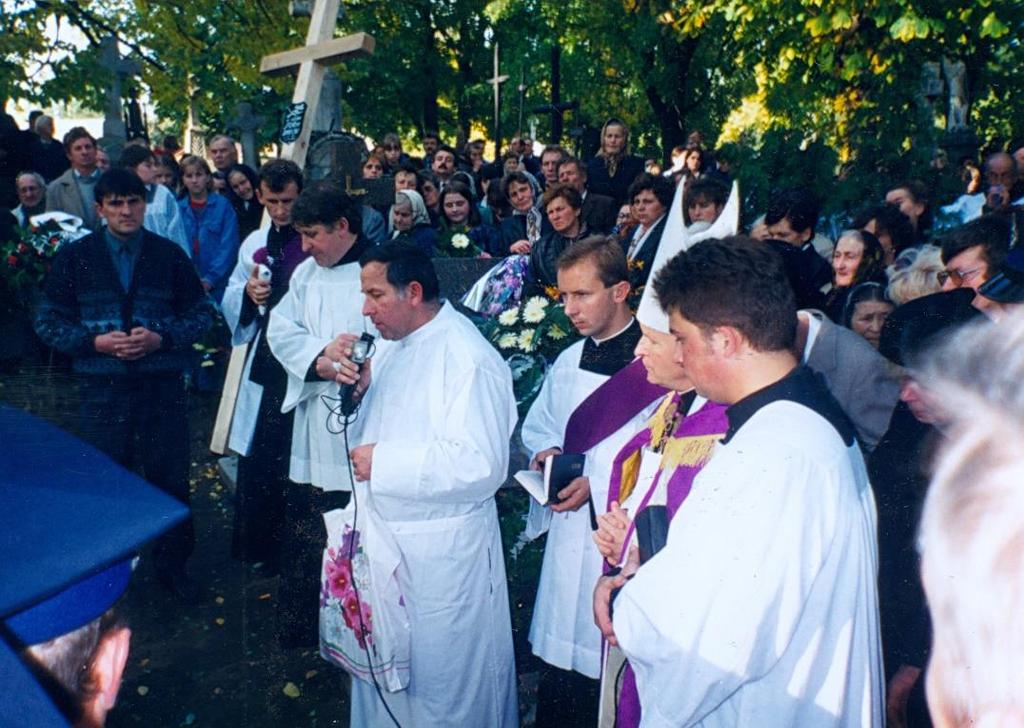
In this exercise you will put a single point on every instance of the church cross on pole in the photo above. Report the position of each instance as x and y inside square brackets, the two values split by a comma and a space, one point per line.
[496, 81]
[311, 61]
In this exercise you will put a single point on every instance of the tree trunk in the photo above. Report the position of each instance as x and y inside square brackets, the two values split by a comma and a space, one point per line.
[428, 63]
[672, 111]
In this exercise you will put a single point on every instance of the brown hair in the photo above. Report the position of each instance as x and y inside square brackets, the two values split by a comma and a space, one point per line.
[604, 252]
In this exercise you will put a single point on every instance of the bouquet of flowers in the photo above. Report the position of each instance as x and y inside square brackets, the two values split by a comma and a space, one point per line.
[456, 243]
[28, 256]
[529, 337]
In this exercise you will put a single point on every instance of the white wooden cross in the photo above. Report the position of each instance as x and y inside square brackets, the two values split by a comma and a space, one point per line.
[321, 50]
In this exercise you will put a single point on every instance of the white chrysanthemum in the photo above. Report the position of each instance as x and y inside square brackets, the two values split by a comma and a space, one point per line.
[533, 312]
[508, 341]
[508, 318]
[526, 339]
[460, 241]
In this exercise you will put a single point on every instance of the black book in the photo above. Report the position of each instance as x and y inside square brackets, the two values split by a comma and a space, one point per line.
[558, 472]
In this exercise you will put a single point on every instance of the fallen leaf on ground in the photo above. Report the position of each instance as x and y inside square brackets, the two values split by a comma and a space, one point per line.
[219, 600]
[219, 621]
[311, 674]
[266, 596]
[142, 690]
[291, 690]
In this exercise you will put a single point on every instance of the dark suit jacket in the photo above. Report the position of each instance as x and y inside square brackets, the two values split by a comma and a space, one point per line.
[513, 229]
[599, 213]
[640, 269]
[859, 378]
[615, 187]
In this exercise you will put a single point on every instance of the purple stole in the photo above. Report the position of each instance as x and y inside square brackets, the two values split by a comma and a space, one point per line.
[609, 407]
[684, 455]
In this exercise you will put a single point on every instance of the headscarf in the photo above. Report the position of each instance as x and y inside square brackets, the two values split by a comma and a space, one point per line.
[612, 161]
[419, 207]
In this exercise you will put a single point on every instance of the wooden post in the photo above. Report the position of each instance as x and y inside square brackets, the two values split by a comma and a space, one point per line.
[310, 61]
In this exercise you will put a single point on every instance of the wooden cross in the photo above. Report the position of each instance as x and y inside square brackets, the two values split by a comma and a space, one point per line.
[311, 61]
[496, 82]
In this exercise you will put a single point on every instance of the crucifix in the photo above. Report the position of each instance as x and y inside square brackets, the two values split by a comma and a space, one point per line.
[496, 82]
[311, 61]
[114, 131]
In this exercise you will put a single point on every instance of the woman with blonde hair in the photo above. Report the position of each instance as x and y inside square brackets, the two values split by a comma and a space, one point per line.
[915, 273]
[612, 170]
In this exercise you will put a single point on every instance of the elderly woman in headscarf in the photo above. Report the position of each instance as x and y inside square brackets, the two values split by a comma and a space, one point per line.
[613, 168]
[410, 221]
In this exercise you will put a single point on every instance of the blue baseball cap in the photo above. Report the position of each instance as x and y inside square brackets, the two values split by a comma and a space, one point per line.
[71, 521]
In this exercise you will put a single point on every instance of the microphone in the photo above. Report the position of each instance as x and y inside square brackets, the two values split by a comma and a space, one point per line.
[263, 273]
[362, 349]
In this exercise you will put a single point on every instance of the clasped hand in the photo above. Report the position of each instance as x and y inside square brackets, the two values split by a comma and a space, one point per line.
[335, 364]
[128, 347]
[603, 595]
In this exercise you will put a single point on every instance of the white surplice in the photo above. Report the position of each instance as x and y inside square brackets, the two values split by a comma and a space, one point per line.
[762, 607]
[247, 404]
[440, 411]
[562, 632]
[321, 303]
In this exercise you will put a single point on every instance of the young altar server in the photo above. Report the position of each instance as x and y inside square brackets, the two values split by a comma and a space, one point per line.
[762, 606]
[593, 279]
[306, 330]
[431, 444]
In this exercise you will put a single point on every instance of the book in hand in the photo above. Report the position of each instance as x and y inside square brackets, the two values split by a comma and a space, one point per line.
[558, 472]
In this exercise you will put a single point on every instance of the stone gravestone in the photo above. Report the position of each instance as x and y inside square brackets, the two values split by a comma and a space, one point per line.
[245, 122]
[457, 275]
[338, 156]
[114, 131]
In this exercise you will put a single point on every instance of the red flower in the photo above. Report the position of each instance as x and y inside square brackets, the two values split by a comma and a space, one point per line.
[12, 260]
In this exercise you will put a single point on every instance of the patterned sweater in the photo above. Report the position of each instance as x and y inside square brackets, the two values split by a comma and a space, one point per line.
[83, 298]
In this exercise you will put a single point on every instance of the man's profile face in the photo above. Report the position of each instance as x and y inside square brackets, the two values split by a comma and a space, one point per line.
[123, 213]
[222, 154]
[966, 269]
[30, 192]
[388, 308]
[569, 174]
[82, 155]
[783, 230]
[326, 244]
[696, 355]
[657, 351]
[278, 204]
[589, 304]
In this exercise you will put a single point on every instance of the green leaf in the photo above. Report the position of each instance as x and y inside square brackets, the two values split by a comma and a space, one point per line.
[992, 27]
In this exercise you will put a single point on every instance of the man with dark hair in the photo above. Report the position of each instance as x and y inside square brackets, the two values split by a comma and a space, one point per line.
[126, 305]
[431, 443]
[443, 164]
[973, 252]
[552, 156]
[430, 141]
[306, 335]
[74, 191]
[260, 433]
[782, 518]
[598, 210]
[593, 279]
[789, 228]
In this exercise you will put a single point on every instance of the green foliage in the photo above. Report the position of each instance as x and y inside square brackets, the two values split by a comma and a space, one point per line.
[835, 82]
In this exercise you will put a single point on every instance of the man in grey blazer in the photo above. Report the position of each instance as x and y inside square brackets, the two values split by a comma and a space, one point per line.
[860, 378]
[72, 192]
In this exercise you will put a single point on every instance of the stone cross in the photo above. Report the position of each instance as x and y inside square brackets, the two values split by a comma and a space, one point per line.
[114, 131]
[246, 123]
[496, 81]
[311, 61]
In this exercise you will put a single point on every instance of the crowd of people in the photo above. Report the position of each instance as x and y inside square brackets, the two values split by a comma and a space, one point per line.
[758, 412]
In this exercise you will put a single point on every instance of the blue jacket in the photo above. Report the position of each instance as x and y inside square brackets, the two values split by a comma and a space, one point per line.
[217, 230]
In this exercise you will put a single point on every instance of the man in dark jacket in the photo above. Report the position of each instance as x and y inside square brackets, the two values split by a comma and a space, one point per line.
[599, 211]
[126, 305]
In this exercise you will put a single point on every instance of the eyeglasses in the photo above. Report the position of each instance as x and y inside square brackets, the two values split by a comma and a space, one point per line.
[957, 276]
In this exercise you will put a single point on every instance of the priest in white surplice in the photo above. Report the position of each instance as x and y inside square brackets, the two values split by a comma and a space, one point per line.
[432, 443]
[593, 279]
[306, 329]
[761, 608]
